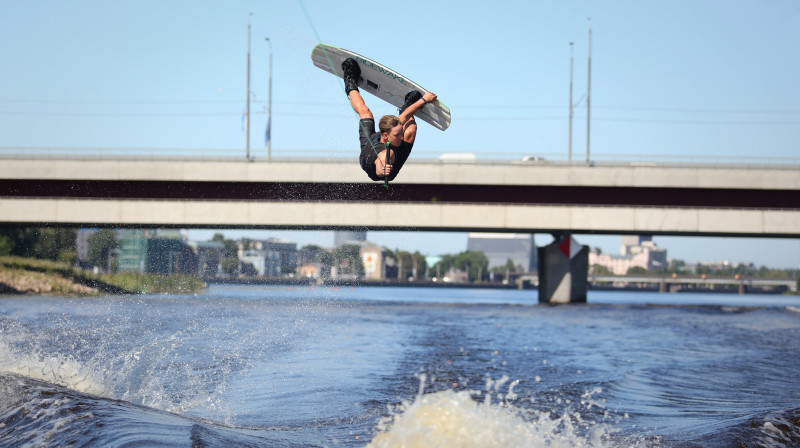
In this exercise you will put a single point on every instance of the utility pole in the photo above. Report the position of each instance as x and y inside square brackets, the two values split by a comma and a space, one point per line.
[589, 95]
[571, 58]
[247, 114]
[269, 106]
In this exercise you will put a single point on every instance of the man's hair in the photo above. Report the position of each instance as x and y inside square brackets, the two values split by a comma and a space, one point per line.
[387, 123]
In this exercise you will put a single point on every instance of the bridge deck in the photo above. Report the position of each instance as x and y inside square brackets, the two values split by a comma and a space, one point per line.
[427, 196]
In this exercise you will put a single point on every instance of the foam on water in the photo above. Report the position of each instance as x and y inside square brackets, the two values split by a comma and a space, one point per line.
[459, 418]
[449, 418]
[58, 369]
[146, 374]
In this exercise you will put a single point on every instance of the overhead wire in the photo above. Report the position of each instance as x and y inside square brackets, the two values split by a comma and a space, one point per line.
[509, 107]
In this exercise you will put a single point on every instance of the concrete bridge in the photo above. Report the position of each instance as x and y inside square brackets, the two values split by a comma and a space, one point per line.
[450, 195]
[668, 283]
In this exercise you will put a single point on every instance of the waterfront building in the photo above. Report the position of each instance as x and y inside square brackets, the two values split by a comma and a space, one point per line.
[209, 257]
[520, 248]
[170, 256]
[132, 249]
[272, 257]
[374, 259]
[344, 237]
[82, 243]
[635, 251]
[154, 251]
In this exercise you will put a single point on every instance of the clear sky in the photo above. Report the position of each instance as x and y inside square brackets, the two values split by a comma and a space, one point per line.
[690, 79]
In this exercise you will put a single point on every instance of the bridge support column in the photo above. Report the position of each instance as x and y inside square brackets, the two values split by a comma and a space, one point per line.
[563, 271]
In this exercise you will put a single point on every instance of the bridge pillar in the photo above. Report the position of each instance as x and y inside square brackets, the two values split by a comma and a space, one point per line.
[563, 271]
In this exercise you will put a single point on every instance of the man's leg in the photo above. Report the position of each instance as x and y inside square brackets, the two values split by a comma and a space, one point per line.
[357, 101]
[351, 73]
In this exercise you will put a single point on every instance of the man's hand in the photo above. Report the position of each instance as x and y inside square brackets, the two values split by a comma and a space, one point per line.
[414, 108]
[382, 170]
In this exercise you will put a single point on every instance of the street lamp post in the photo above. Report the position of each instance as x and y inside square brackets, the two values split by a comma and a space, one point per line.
[571, 59]
[589, 96]
[269, 105]
[247, 113]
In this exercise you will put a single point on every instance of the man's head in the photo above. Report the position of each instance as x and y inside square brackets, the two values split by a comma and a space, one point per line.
[391, 130]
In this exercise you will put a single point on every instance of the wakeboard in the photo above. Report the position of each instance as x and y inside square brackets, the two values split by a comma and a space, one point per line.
[382, 82]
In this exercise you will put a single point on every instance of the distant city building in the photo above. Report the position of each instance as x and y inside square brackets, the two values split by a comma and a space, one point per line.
[710, 266]
[374, 260]
[636, 251]
[342, 237]
[82, 243]
[501, 247]
[310, 255]
[271, 258]
[169, 234]
[309, 270]
[132, 249]
[154, 251]
[633, 244]
[209, 257]
[170, 256]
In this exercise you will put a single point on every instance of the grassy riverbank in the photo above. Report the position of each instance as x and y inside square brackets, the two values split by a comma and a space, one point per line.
[33, 276]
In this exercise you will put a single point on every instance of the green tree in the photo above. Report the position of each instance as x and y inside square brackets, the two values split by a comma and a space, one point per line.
[474, 263]
[676, 266]
[327, 258]
[599, 269]
[348, 260]
[702, 269]
[231, 246]
[248, 244]
[53, 241]
[21, 240]
[100, 244]
[230, 262]
[444, 265]
[419, 263]
[6, 245]
[408, 263]
[312, 253]
[230, 265]
[636, 270]
[68, 257]
[34, 242]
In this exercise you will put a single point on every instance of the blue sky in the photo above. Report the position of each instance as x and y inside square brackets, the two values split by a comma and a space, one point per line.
[689, 79]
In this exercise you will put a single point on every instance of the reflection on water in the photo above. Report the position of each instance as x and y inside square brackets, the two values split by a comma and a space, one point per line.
[289, 366]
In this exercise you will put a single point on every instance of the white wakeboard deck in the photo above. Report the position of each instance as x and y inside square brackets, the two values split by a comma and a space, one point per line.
[382, 82]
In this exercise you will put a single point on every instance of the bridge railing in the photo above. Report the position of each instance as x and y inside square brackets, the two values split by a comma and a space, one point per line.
[789, 283]
[428, 157]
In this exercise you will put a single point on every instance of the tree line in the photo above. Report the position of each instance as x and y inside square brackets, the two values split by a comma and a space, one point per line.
[679, 267]
[59, 244]
[56, 244]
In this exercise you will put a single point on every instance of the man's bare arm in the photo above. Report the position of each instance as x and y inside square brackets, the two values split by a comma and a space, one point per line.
[408, 114]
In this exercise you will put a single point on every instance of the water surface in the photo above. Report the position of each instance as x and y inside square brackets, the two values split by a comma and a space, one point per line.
[306, 366]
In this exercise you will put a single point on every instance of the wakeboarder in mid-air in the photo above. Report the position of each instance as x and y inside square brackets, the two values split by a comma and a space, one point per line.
[383, 153]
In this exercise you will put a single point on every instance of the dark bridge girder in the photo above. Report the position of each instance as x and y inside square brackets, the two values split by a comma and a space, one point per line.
[361, 192]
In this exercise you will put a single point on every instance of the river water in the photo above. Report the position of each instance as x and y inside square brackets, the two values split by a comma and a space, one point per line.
[305, 366]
